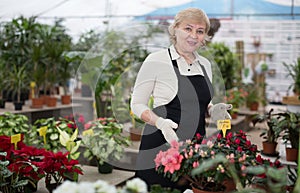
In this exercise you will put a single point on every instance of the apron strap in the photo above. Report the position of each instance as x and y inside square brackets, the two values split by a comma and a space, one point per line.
[209, 84]
[174, 62]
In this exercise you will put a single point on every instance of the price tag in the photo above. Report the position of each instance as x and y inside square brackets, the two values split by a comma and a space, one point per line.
[43, 132]
[15, 139]
[224, 125]
[88, 132]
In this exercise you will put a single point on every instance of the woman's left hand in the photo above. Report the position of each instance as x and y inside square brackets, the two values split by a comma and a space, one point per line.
[219, 111]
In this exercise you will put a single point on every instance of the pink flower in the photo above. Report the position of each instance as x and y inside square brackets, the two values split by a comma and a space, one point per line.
[172, 161]
[195, 164]
[191, 153]
[87, 125]
[158, 158]
[81, 119]
[210, 144]
[175, 144]
[243, 168]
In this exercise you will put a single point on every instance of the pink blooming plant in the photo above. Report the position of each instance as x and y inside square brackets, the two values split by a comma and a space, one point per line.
[182, 157]
[170, 159]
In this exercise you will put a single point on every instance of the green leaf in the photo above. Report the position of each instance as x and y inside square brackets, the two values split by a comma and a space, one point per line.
[64, 137]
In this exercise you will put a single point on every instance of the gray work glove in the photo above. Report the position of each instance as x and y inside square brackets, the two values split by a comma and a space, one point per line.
[166, 126]
[219, 111]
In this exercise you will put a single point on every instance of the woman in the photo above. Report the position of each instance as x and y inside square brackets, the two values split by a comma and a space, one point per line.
[179, 80]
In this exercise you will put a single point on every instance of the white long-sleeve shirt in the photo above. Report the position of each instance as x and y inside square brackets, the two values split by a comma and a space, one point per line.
[157, 77]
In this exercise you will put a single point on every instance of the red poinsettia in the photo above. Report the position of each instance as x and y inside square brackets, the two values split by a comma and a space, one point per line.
[29, 152]
[57, 167]
[7, 146]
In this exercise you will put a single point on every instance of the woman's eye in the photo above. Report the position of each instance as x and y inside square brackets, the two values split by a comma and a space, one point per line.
[200, 32]
[188, 29]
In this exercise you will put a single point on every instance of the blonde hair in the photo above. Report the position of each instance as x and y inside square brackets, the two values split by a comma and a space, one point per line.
[193, 14]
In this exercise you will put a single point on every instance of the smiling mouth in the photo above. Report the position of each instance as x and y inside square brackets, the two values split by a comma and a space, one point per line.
[192, 43]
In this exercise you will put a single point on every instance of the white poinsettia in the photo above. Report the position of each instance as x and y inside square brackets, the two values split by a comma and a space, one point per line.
[67, 187]
[103, 187]
[86, 187]
[136, 185]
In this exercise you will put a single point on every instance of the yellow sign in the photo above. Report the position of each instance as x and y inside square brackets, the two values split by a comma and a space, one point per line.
[15, 139]
[88, 132]
[224, 125]
[43, 132]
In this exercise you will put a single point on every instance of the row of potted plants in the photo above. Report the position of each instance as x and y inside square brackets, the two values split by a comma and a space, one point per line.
[102, 139]
[34, 52]
[28, 164]
[283, 125]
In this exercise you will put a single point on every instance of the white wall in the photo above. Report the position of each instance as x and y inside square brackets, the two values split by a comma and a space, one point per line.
[281, 38]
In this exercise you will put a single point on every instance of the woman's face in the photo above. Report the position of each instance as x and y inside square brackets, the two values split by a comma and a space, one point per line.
[189, 36]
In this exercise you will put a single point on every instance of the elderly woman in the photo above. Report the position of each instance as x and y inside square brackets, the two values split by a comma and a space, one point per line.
[179, 80]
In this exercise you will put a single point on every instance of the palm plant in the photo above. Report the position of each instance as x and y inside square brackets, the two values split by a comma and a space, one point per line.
[294, 72]
[17, 81]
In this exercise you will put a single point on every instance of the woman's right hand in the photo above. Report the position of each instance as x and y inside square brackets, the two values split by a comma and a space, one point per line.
[166, 126]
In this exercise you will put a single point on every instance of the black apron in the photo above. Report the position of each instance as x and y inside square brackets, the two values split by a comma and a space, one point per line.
[187, 109]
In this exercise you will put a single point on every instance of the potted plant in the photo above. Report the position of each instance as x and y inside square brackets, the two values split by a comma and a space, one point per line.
[23, 162]
[252, 98]
[103, 139]
[137, 124]
[66, 72]
[9, 183]
[57, 168]
[45, 133]
[270, 134]
[36, 101]
[290, 124]
[182, 157]
[136, 128]
[16, 82]
[38, 61]
[11, 124]
[236, 97]
[56, 43]
[227, 61]
[293, 72]
[272, 174]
